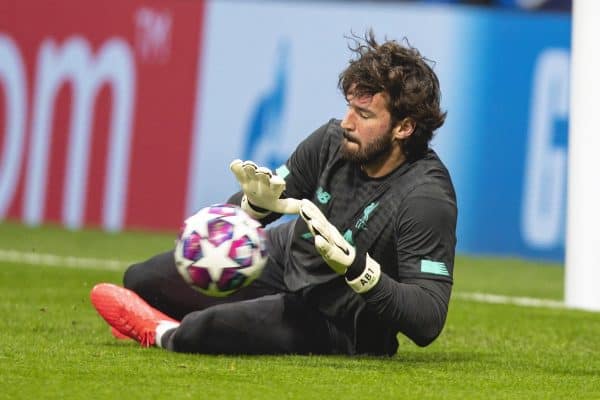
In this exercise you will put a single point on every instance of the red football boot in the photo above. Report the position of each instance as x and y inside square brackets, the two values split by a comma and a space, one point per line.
[127, 313]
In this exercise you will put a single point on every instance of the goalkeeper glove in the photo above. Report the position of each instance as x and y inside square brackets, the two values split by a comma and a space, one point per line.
[262, 190]
[361, 271]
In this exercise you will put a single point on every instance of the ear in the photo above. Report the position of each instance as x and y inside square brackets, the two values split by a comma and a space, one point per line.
[404, 128]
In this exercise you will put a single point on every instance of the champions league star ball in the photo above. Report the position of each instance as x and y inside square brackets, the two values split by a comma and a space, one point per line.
[220, 250]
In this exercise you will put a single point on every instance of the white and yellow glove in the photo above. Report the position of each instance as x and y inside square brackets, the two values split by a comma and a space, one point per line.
[361, 271]
[262, 190]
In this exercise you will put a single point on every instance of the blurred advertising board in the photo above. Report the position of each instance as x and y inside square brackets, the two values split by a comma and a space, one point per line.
[96, 105]
[127, 114]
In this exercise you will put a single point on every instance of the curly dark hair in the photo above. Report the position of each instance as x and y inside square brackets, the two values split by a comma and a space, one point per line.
[402, 73]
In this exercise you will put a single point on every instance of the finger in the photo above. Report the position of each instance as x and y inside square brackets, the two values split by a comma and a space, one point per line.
[310, 228]
[309, 221]
[302, 211]
[321, 228]
[249, 164]
[249, 169]
[264, 170]
[277, 185]
[323, 247]
[335, 237]
[236, 168]
[237, 162]
[263, 175]
[309, 211]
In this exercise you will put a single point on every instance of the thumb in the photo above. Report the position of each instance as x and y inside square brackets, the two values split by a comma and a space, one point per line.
[287, 206]
[323, 247]
[236, 168]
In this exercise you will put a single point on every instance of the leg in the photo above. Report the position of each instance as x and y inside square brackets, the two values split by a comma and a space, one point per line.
[276, 324]
[158, 282]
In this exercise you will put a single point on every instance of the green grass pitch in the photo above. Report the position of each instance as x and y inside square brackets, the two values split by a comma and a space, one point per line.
[54, 346]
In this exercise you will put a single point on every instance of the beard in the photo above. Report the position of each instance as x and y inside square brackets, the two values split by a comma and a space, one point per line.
[367, 153]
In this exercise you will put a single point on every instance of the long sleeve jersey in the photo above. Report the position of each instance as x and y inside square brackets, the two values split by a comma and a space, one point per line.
[406, 221]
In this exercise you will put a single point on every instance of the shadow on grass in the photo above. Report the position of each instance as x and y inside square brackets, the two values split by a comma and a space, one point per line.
[421, 358]
[342, 362]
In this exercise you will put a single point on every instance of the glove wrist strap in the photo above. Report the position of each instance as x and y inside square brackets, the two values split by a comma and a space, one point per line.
[252, 211]
[368, 278]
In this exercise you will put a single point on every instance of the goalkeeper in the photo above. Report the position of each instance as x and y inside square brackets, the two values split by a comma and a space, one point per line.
[370, 256]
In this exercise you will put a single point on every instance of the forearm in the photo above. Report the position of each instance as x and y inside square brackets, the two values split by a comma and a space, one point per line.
[417, 308]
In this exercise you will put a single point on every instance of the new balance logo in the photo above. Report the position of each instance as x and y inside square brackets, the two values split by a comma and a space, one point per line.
[323, 196]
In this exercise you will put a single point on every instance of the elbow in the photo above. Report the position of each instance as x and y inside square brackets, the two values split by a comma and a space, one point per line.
[426, 340]
[429, 325]
[426, 333]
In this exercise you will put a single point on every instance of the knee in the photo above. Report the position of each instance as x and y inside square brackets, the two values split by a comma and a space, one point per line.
[134, 277]
[143, 279]
[149, 274]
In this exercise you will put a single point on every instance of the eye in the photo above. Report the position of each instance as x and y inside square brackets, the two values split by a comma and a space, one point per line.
[360, 112]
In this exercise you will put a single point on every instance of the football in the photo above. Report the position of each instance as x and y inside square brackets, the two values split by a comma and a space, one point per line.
[220, 249]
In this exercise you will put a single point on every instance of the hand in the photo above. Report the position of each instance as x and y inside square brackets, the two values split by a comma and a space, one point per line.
[262, 190]
[329, 242]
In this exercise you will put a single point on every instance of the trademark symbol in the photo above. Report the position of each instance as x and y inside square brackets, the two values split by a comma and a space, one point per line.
[153, 35]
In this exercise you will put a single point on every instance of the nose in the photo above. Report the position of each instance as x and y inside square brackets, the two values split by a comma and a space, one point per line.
[347, 123]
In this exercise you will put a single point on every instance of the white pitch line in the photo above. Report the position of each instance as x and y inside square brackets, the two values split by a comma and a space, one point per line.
[500, 299]
[53, 260]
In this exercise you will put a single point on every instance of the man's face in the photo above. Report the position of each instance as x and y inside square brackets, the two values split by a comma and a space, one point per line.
[367, 129]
